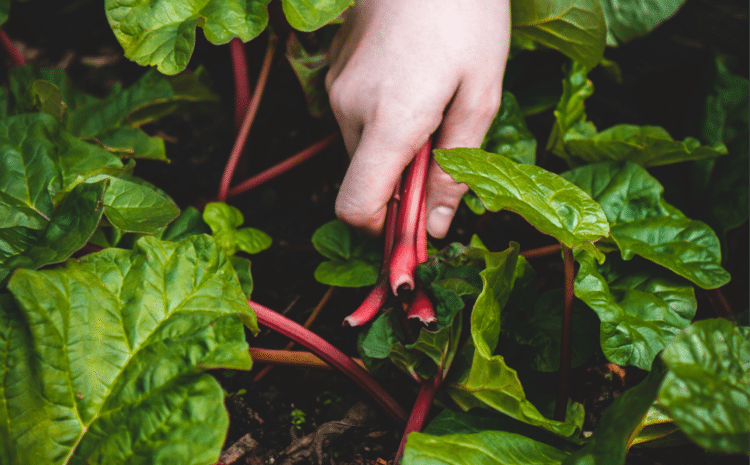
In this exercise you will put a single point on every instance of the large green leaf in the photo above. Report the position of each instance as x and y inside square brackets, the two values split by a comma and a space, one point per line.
[575, 27]
[354, 259]
[645, 145]
[106, 356]
[620, 423]
[629, 19]
[224, 220]
[550, 203]
[463, 439]
[643, 223]
[481, 379]
[162, 34]
[707, 388]
[71, 224]
[641, 307]
[508, 134]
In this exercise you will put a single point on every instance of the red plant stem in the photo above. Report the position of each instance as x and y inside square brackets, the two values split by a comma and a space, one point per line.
[421, 241]
[421, 307]
[719, 302]
[15, 57]
[292, 358]
[541, 251]
[331, 355]
[566, 342]
[252, 109]
[404, 257]
[241, 78]
[379, 294]
[313, 316]
[422, 405]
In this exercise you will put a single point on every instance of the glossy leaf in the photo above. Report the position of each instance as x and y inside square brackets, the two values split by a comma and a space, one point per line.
[133, 207]
[189, 223]
[508, 134]
[354, 258]
[109, 352]
[707, 388]
[643, 223]
[574, 27]
[223, 220]
[619, 425]
[641, 308]
[645, 145]
[308, 15]
[551, 204]
[630, 19]
[71, 225]
[463, 439]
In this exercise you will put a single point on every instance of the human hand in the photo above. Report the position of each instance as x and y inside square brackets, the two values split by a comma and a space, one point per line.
[401, 69]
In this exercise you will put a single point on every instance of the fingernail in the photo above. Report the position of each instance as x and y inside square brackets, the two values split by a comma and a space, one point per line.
[439, 220]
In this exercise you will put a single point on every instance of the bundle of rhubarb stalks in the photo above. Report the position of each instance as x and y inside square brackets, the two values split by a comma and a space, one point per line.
[405, 247]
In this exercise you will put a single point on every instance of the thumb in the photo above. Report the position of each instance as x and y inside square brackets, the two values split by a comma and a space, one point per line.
[464, 125]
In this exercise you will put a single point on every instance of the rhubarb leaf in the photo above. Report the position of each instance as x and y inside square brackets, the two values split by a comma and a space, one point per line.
[550, 203]
[574, 27]
[189, 223]
[508, 134]
[109, 355]
[459, 438]
[645, 145]
[354, 258]
[643, 223]
[481, 379]
[132, 207]
[630, 19]
[223, 220]
[641, 307]
[571, 110]
[308, 15]
[71, 224]
[707, 388]
[311, 69]
[620, 423]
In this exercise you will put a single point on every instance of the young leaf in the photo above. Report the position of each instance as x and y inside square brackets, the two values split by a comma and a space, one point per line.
[643, 223]
[354, 258]
[311, 71]
[574, 27]
[107, 355]
[308, 15]
[508, 134]
[707, 388]
[620, 423]
[551, 204]
[223, 220]
[627, 20]
[641, 308]
[461, 438]
[70, 226]
[571, 110]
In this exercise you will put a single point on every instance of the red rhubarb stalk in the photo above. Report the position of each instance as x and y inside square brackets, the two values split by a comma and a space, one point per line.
[404, 257]
[378, 295]
[331, 355]
[566, 342]
[15, 57]
[241, 85]
[422, 307]
[247, 122]
[419, 413]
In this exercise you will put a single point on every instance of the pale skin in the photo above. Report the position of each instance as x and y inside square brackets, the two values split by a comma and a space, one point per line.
[400, 71]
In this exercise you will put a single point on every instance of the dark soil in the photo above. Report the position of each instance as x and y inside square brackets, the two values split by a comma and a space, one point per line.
[663, 81]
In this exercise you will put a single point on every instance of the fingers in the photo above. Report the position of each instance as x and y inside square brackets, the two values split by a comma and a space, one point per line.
[464, 125]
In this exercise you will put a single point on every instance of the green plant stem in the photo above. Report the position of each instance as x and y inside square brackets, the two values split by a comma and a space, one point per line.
[331, 355]
[541, 251]
[566, 342]
[15, 57]
[292, 358]
[313, 316]
[247, 122]
[422, 405]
